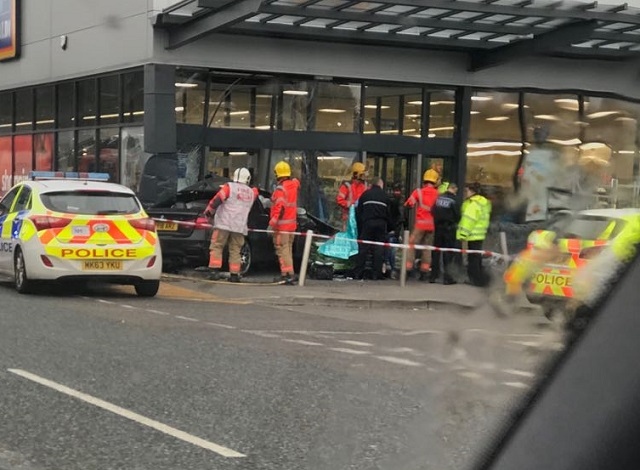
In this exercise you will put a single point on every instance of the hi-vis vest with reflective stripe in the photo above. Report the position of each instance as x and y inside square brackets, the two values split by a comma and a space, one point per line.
[284, 211]
[476, 216]
[425, 198]
[233, 213]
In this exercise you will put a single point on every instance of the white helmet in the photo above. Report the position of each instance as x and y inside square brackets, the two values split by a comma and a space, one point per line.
[242, 175]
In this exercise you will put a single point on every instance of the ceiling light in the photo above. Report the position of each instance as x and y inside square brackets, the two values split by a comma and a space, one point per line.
[498, 118]
[625, 119]
[566, 142]
[373, 106]
[547, 117]
[626, 152]
[238, 113]
[186, 85]
[415, 103]
[592, 146]
[566, 101]
[263, 96]
[237, 154]
[295, 92]
[481, 98]
[179, 109]
[431, 135]
[602, 114]
[436, 103]
[46, 121]
[510, 106]
[332, 110]
[264, 128]
[484, 153]
[446, 128]
[413, 116]
[480, 145]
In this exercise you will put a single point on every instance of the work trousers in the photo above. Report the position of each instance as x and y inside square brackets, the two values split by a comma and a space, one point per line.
[219, 239]
[444, 237]
[476, 272]
[420, 237]
[375, 231]
[284, 249]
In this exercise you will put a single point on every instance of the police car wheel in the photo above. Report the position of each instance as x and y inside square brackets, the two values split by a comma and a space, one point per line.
[147, 288]
[22, 282]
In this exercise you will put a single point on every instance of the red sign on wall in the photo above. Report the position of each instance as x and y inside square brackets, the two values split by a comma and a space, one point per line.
[9, 29]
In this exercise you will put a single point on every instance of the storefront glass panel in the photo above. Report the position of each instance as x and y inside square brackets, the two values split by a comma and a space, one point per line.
[133, 156]
[24, 110]
[23, 157]
[66, 105]
[86, 151]
[293, 110]
[6, 164]
[43, 150]
[6, 113]
[45, 107]
[110, 100]
[224, 163]
[412, 114]
[133, 99]
[333, 169]
[65, 155]
[441, 113]
[337, 107]
[87, 102]
[190, 90]
[109, 157]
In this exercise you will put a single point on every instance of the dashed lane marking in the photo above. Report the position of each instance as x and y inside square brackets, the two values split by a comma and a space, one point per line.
[399, 360]
[262, 334]
[158, 312]
[521, 373]
[303, 342]
[130, 307]
[515, 384]
[355, 343]
[221, 325]
[171, 431]
[186, 318]
[350, 351]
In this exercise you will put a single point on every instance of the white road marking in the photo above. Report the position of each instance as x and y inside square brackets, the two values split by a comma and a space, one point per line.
[186, 318]
[102, 301]
[355, 343]
[530, 344]
[131, 307]
[303, 342]
[158, 312]
[515, 384]
[470, 374]
[521, 373]
[262, 334]
[400, 350]
[220, 325]
[422, 332]
[399, 360]
[349, 351]
[171, 431]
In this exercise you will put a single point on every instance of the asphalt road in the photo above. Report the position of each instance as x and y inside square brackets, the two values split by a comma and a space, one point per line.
[105, 380]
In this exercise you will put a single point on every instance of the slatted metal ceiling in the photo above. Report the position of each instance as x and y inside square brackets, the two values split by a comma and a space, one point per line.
[542, 26]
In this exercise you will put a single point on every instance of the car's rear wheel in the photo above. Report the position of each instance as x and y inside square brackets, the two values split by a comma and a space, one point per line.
[245, 257]
[21, 280]
[147, 288]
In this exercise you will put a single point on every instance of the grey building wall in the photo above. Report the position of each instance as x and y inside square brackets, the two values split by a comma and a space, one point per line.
[274, 55]
[102, 35]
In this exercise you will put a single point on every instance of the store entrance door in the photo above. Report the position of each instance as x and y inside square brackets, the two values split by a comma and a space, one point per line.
[392, 168]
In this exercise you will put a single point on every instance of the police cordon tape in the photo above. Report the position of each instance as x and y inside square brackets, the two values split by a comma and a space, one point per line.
[486, 253]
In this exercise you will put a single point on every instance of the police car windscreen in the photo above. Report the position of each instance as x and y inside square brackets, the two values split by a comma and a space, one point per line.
[588, 227]
[91, 202]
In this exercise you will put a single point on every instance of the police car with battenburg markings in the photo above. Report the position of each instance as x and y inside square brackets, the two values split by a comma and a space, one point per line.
[67, 226]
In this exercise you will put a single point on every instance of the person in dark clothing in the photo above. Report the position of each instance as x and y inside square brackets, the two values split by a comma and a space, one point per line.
[373, 217]
[396, 227]
[446, 215]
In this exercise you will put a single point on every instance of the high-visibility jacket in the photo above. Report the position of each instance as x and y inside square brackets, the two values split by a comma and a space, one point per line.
[425, 198]
[443, 187]
[232, 205]
[348, 194]
[474, 223]
[284, 208]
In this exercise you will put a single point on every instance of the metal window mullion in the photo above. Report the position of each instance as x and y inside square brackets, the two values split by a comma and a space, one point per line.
[359, 124]
[207, 99]
[312, 105]
[461, 132]
[401, 99]
[378, 114]
[279, 108]
[227, 109]
[253, 108]
[426, 111]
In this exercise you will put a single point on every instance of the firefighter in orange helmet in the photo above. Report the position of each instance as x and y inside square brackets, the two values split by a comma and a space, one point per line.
[425, 198]
[284, 217]
[350, 191]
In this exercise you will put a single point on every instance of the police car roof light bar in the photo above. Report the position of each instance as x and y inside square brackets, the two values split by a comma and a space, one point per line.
[68, 175]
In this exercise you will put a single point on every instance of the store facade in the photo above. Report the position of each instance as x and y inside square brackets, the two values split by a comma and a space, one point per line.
[206, 88]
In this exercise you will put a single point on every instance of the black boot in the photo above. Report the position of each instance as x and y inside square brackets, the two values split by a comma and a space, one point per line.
[214, 274]
[235, 277]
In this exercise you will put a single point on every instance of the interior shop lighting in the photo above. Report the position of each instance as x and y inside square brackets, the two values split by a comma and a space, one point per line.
[601, 114]
[498, 118]
[179, 109]
[295, 92]
[431, 136]
[263, 96]
[46, 121]
[481, 98]
[547, 117]
[186, 85]
[483, 145]
[436, 103]
[566, 142]
[2, 126]
[445, 128]
[373, 106]
[20, 124]
[592, 146]
[263, 128]
[510, 106]
[413, 116]
[625, 119]
[415, 103]
[332, 110]
[237, 154]
[626, 152]
[238, 113]
[485, 153]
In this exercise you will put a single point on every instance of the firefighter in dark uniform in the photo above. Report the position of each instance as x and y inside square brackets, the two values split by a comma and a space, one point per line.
[373, 217]
[446, 215]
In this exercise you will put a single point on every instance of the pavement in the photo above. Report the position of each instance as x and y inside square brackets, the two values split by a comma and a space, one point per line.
[344, 293]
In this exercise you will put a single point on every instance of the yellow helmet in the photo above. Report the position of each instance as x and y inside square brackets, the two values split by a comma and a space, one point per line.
[282, 169]
[358, 167]
[432, 176]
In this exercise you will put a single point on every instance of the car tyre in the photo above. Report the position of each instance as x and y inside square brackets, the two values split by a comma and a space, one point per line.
[21, 280]
[246, 257]
[147, 288]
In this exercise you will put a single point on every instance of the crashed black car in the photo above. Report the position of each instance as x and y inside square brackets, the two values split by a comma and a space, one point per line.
[185, 232]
